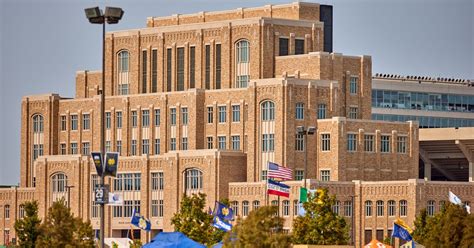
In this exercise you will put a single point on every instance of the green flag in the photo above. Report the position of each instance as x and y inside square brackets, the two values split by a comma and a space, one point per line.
[303, 195]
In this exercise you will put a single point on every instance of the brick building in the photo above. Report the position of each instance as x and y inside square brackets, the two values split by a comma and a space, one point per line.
[201, 103]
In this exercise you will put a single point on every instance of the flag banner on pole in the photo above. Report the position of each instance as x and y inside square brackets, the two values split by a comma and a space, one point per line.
[111, 163]
[301, 210]
[221, 224]
[276, 188]
[400, 232]
[454, 198]
[223, 212]
[276, 171]
[402, 223]
[303, 195]
[97, 157]
[140, 221]
[115, 199]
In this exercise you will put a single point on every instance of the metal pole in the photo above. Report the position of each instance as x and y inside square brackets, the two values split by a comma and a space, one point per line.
[305, 157]
[102, 136]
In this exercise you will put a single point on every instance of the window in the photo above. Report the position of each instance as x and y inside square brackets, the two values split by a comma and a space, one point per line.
[403, 208]
[21, 211]
[134, 119]
[322, 111]
[184, 114]
[210, 142]
[380, 207]
[283, 47]
[123, 57]
[299, 142]
[256, 205]
[210, 114]
[118, 119]
[144, 70]
[145, 118]
[192, 67]
[86, 148]
[351, 142]
[391, 208]
[235, 113]
[62, 147]
[353, 85]
[157, 208]
[58, 182]
[7, 211]
[168, 69]
[299, 175]
[222, 114]
[108, 123]
[286, 208]
[130, 182]
[173, 116]
[184, 143]
[402, 144]
[268, 142]
[145, 146]
[368, 208]
[193, 179]
[180, 69]
[442, 205]
[86, 121]
[369, 143]
[353, 112]
[268, 111]
[295, 207]
[157, 146]
[430, 208]
[107, 146]
[123, 68]
[335, 207]
[218, 66]
[207, 76]
[222, 142]
[300, 111]
[123, 89]
[245, 208]
[37, 151]
[74, 122]
[325, 142]
[154, 71]
[385, 143]
[235, 207]
[299, 46]
[134, 148]
[236, 142]
[118, 145]
[74, 148]
[325, 175]
[348, 208]
[242, 49]
[157, 117]
[157, 181]
[242, 81]
[63, 122]
[264, 175]
[173, 144]
[117, 211]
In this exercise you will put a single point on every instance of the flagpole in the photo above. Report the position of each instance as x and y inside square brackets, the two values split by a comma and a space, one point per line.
[278, 206]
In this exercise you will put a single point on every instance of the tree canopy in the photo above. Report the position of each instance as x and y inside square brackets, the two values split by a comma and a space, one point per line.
[28, 227]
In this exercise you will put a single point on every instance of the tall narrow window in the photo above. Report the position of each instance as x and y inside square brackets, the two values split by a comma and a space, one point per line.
[300, 111]
[145, 118]
[430, 208]
[184, 143]
[145, 146]
[210, 114]
[73, 122]
[369, 143]
[402, 144]
[73, 148]
[218, 66]
[245, 208]
[353, 112]
[118, 119]
[168, 69]
[222, 114]
[184, 116]
[86, 121]
[63, 122]
[322, 111]
[380, 208]
[134, 118]
[173, 144]
[157, 117]
[118, 147]
[192, 67]
[207, 76]
[368, 208]
[38, 123]
[180, 69]
[123, 69]
[325, 175]
[403, 208]
[353, 85]
[299, 142]
[154, 70]
[242, 63]
[134, 148]
[299, 46]
[283, 48]
[235, 113]
[325, 142]
[391, 208]
[157, 146]
[108, 122]
[86, 148]
[236, 142]
[210, 142]
[385, 143]
[351, 142]
[222, 142]
[268, 111]
[144, 70]
[173, 116]
[268, 142]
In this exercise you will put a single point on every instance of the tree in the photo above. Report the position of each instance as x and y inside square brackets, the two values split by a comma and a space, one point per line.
[422, 227]
[28, 228]
[195, 222]
[61, 229]
[320, 225]
[262, 228]
[468, 234]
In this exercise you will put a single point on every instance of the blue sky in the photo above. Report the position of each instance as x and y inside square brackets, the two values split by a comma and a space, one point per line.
[43, 44]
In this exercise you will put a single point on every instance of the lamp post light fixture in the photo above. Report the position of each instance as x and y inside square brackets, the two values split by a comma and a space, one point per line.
[301, 130]
[68, 188]
[96, 16]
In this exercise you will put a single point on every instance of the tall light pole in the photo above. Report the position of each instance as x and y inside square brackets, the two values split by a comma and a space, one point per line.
[96, 16]
[301, 130]
[68, 188]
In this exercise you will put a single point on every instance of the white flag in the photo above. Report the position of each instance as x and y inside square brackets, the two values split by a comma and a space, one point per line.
[468, 209]
[454, 198]
[115, 199]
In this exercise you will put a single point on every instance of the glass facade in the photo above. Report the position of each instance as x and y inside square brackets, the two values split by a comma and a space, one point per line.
[427, 121]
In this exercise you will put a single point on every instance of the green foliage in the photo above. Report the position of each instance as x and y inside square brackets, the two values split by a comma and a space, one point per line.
[28, 228]
[194, 221]
[387, 240]
[452, 227]
[262, 228]
[62, 229]
[135, 243]
[320, 225]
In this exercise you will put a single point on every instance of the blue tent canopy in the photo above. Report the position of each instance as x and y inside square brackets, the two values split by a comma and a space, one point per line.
[172, 240]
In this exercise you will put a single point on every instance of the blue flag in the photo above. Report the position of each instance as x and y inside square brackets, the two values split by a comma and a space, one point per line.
[223, 212]
[400, 232]
[140, 221]
[221, 224]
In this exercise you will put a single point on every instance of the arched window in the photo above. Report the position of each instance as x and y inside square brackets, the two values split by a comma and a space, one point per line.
[235, 207]
[403, 208]
[256, 205]
[193, 179]
[245, 208]
[268, 111]
[242, 56]
[391, 208]
[380, 207]
[37, 123]
[430, 208]
[368, 208]
[59, 182]
[286, 208]
[123, 58]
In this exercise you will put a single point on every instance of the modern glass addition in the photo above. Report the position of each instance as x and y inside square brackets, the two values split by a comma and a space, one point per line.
[427, 121]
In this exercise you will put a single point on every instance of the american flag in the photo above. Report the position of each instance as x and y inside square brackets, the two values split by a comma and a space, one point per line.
[276, 171]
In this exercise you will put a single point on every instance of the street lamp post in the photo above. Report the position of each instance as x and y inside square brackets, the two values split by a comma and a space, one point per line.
[301, 130]
[95, 15]
[68, 188]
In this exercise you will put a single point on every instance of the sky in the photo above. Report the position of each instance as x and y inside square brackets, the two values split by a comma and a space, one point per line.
[44, 42]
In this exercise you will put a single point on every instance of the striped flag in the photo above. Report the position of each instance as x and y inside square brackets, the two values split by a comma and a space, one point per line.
[277, 188]
[276, 171]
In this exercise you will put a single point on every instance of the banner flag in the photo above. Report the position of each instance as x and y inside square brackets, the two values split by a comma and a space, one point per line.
[115, 199]
[97, 157]
[111, 162]
[454, 198]
[140, 221]
[276, 188]
[277, 171]
[303, 195]
[223, 212]
[221, 224]
[400, 232]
